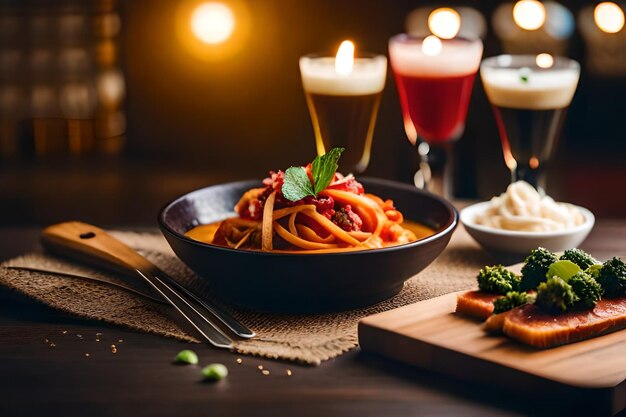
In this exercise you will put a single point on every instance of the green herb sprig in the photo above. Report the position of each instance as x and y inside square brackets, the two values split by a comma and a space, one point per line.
[297, 184]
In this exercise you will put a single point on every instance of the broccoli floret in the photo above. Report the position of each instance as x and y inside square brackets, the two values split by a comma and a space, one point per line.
[511, 300]
[586, 289]
[497, 279]
[535, 267]
[594, 271]
[612, 277]
[555, 295]
[579, 257]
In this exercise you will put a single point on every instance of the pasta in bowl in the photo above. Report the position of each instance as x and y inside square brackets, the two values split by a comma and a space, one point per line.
[287, 278]
[340, 218]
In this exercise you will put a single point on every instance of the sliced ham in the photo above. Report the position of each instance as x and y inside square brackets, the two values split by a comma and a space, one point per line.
[477, 304]
[535, 327]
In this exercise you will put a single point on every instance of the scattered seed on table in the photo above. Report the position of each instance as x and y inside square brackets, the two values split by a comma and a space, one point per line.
[265, 372]
[80, 336]
[52, 345]
[288, 372]
[113, 349]
[120, 341]
[98, 334]
[46, 340]
[87, 354]
[97, 340]
[260, 367]
[64, 332]
[239, 360]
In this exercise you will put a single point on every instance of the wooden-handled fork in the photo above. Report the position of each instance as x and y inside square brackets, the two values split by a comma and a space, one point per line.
[93, 245]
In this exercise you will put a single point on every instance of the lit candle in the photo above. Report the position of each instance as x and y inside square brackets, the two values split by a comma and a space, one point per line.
[343, 94]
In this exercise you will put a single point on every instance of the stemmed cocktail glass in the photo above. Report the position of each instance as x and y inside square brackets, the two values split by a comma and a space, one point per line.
[529, 95]
[434, 79]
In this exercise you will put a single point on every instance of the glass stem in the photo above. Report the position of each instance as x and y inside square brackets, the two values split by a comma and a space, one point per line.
[435, 170]
[533, 176]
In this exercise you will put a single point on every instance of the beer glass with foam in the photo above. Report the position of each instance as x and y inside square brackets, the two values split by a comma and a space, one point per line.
[343, 95]
[529, 95]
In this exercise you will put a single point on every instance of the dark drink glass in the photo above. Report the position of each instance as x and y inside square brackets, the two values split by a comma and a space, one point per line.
[344, 106]
[529, 95]
[434, 78]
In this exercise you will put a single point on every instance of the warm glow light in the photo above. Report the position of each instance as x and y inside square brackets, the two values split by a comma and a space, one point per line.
[213, 23]
[444, 22]
[431, 45]
[544, 60]
[344, 62]
[529, 14]
[609, 17]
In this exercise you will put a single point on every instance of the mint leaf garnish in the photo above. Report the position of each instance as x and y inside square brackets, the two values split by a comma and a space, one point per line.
[324, 167]
[524, 74]
[297, 184]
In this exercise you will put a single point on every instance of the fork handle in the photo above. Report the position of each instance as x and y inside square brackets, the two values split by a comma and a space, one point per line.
[93, 245]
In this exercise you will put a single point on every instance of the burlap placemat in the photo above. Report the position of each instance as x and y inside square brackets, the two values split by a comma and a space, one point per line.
[309, 339]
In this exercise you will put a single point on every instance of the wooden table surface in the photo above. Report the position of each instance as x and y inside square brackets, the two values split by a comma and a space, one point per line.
[140, 380]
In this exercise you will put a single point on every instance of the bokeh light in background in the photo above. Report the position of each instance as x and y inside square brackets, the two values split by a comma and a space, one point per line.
[559, 23]
[601, 28]
[212, 23]
[444, 22]
[544, 60]
[529, 14]
[609, 17]
[531, 27]
[431, 45]
[213, 31]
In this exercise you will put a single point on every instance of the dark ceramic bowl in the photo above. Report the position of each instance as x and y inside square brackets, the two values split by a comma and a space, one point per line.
[305, 283]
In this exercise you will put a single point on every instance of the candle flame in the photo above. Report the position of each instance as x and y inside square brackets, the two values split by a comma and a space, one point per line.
[344, 62]
[444, 22]
[431, 45]
[544, 60]
[529, 14]
[609, 17]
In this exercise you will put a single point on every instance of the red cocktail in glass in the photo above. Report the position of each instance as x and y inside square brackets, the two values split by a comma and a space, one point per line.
[434, 79]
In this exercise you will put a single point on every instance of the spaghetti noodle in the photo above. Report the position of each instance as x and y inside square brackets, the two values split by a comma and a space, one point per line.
[341, 217]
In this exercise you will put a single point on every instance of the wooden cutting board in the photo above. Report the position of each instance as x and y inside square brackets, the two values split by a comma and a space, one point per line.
[428, 334]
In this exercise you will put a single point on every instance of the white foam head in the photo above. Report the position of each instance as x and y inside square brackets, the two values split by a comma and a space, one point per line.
[320, 77]
[530, 87]
[457, 57]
